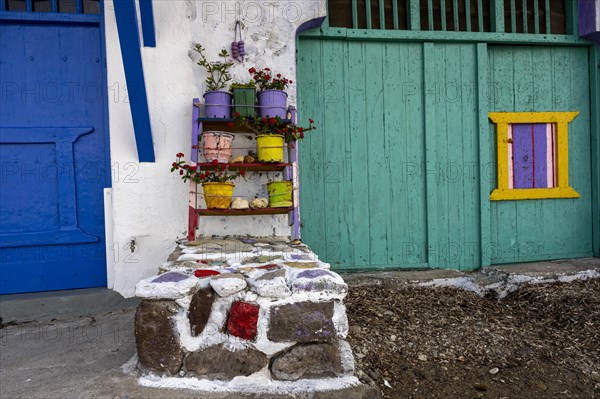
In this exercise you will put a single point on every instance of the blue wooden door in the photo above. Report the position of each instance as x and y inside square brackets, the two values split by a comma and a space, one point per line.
[53, 152]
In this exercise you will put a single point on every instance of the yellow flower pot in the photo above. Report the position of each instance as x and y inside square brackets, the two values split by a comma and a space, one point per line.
[218, 195]
[270, 148]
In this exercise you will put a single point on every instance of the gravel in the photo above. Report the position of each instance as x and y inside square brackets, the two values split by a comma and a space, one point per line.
[542, 341]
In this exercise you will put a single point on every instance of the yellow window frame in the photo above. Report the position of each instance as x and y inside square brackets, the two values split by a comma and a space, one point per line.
[561, 119]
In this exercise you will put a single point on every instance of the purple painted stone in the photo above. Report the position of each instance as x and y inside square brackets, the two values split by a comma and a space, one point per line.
[299, 257]
[313, 273]
[172, 277]
[248, 241]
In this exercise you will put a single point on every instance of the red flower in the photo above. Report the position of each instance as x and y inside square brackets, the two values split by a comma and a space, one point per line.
[237, 114]
[230, 124]
[272, 121]
[202, 176]
[215, 162]
[174, 164]
[301, 135]
[181, 172]
[242, 172]
[278, 75]
[291, 82]
[264, 120]
[267, 69]
[252, 70]
[180, 155]
[268, 77]
[311, 121]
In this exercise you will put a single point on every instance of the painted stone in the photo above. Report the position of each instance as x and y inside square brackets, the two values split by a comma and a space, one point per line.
[243, 320]
[312, 360]
[302, 322]
[269, 266]
[302, 265]
[228, 284]
[170, 285]
[157, 340]
[201, 273]
[260, 259]
[171, 277]
[200, 309]
[271, 285]
[319, 280]
[218, 363]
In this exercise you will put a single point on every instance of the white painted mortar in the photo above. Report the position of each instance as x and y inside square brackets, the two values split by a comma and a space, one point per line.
[149, 205]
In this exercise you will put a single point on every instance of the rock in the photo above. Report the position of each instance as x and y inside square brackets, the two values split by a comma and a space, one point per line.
[156, 337]
[259, 259]
[239, 203]
[258, 203]
[319, 280]
[271, 285]
[302, 265]
[243, 320]
[494, 370]
[201, 273]
[170, 285]
[228, 284]
[422, 358]
[199, 311]
[219, 363]
[238, 159]
[314, 360]
[302, 322]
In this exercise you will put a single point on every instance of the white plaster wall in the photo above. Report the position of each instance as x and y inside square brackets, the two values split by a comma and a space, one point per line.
[149, 204]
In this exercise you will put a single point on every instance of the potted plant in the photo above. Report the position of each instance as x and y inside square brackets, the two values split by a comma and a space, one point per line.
[216, 183]
[216, 145]
[280, 194]
[271, 134]
[272, 98]
[244, 98]
[218, 101]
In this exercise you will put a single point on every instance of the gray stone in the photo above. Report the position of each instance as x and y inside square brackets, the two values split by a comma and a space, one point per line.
[319, 280]
[272, 285]
[314, 360]
[260, 259]
[219, 363]
[200, 308]
[228, 283]
[156, 337]
[302, 322]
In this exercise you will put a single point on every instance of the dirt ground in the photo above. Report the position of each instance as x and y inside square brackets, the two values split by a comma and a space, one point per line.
[542, 341]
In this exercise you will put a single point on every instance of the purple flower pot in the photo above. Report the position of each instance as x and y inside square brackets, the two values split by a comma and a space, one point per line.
[218, 104]
[272, 103]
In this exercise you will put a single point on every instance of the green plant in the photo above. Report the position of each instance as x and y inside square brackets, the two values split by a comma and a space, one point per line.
[218, 71]
[249, 85]
[220, 173]
[266, 81]
[289, 131]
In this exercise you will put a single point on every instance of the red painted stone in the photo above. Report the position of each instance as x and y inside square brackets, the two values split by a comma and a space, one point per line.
[205, 273]
[243, 320]
[269, 266]
[205, 262]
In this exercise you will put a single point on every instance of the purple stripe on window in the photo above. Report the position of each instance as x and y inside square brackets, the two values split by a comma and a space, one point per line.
[529, 156]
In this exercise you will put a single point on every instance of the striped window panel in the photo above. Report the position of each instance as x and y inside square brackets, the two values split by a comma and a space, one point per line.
[532, 155]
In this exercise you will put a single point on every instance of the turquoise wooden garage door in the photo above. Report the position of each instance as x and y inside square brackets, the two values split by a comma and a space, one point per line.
[400, 172]
[52, 147]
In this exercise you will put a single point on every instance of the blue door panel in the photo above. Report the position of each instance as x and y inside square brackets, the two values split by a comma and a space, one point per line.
[53, 156]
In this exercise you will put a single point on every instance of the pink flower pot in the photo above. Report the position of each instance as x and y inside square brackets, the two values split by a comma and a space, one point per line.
[217, 145]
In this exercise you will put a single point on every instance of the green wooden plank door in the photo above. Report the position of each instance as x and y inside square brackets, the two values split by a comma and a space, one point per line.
[543, 79]
[362, 191]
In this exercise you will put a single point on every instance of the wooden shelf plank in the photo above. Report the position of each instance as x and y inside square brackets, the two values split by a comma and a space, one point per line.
[226, 125]
[255, 167]
[243, 212]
